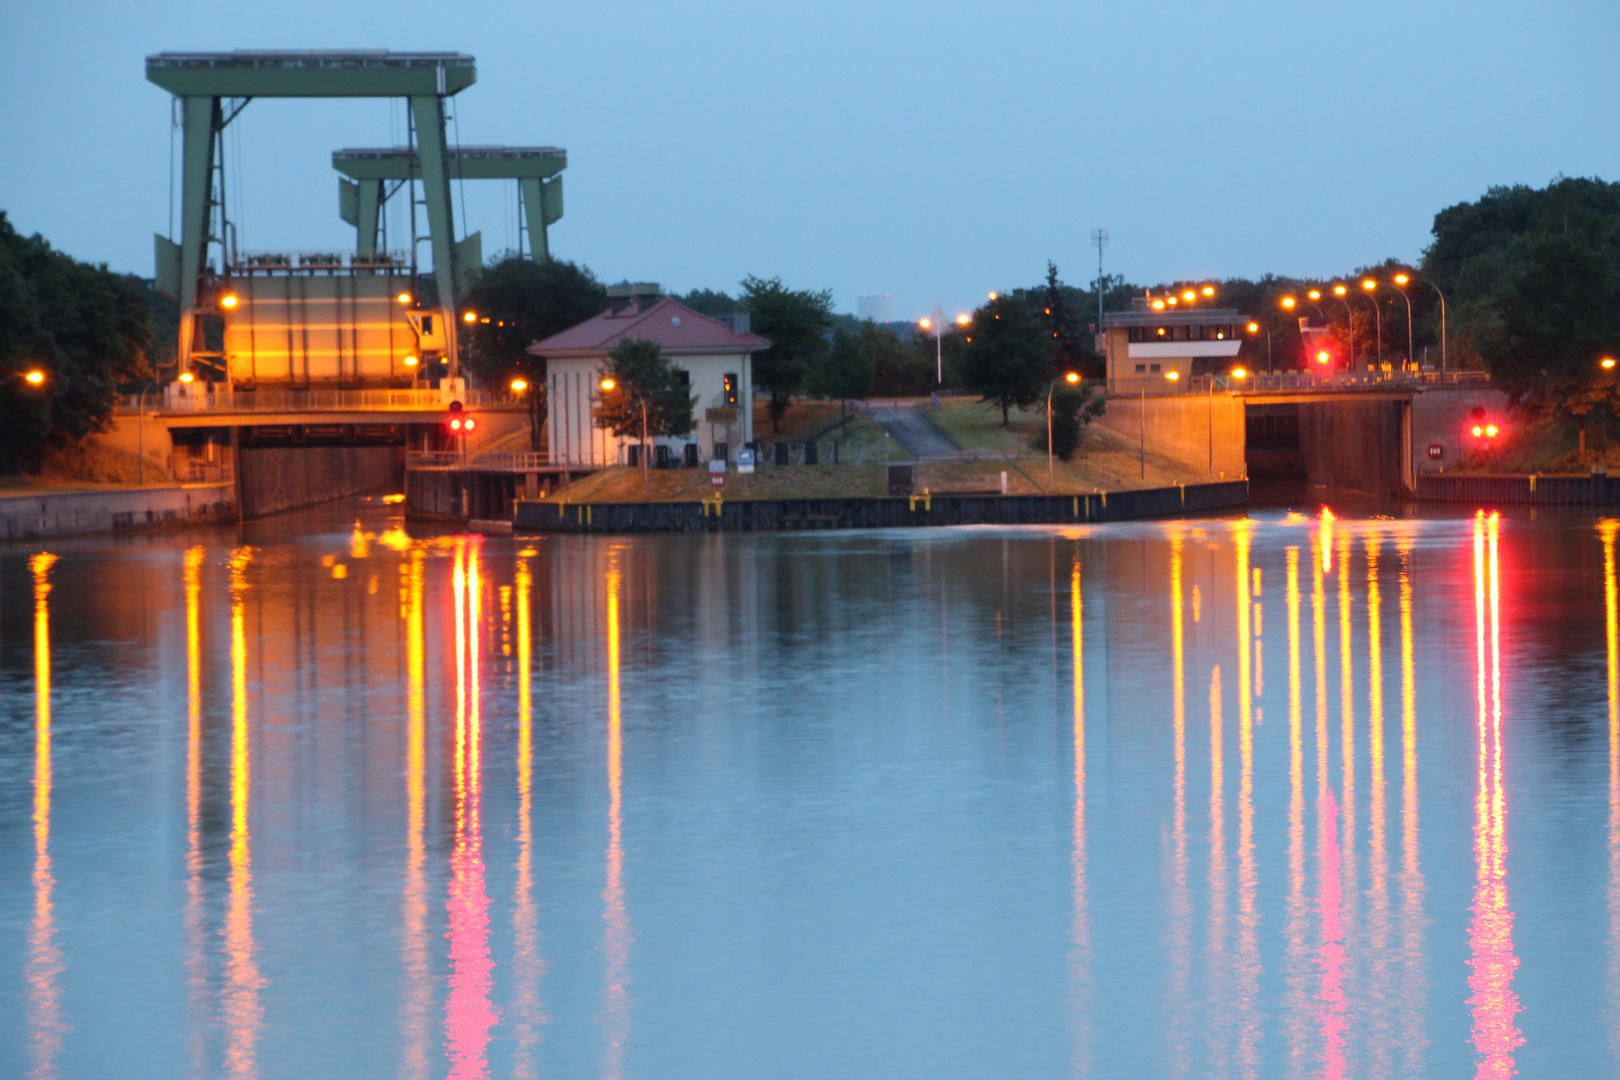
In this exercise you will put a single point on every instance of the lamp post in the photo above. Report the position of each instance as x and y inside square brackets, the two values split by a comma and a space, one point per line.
[1371, 286]
[607, 383]
[1400, 283]
[1341, 291]
[1071, 378]
[140, 433]
[1254, 328]
[1442, 297]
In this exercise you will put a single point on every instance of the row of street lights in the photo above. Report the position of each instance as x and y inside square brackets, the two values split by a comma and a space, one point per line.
[1370, 285]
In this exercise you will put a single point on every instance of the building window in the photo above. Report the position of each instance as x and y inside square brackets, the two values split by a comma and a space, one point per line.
[1141, 369]
[1178, 333]
[1155, 368]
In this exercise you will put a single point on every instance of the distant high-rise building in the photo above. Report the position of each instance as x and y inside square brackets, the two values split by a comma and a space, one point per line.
[879, 307]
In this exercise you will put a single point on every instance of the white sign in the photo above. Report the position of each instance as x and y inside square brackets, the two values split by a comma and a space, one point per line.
[745, 461]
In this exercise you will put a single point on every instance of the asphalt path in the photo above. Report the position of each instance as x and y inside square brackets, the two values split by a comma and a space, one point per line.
[908, 427]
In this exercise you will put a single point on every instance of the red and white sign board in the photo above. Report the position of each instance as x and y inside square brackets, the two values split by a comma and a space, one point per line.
[1436, 451]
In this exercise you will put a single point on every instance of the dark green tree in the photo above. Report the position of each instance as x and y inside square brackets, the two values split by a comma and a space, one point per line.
[848, 368]
[1008, 359]
[1073, 409]
[647, 399]
[711, 302]
[1071, 338]
[796, 323]
[526, 302]
[1558, 318]
[88, 329]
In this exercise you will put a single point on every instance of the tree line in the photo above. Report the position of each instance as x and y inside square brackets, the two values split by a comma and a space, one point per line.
[1531, 280]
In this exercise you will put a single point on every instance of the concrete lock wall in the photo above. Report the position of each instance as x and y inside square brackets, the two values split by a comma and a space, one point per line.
[1205, 432]
[276, 478]
[1356, 445]
[1443, 418]
[24, 516]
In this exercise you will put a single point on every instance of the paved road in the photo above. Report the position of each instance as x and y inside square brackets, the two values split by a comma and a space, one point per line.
[912, 430]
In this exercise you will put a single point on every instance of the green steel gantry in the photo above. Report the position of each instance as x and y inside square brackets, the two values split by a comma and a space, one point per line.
[361, 197]
[206, 82]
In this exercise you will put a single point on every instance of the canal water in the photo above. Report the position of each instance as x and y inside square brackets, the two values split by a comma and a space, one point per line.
[1291, 794]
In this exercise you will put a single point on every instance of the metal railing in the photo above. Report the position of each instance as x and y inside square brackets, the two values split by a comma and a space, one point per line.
[225, 400]
[1158, 386]
[453, 460]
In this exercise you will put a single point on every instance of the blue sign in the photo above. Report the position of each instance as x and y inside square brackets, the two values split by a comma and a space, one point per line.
[745, 461]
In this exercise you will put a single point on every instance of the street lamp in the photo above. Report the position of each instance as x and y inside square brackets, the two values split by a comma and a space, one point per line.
[1400, 283]
[1340, 291]
[1402, 279]
[519, 385]
[1071, 378]
[34, 377]
[1378, 315]
[1254, 328]
[608, 383]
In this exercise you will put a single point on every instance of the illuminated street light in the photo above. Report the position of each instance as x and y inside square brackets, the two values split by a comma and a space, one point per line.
[36, 377]
[1607, 361]
[1401, 279]
[1070, 377]
[1074, 377]
[1189, 296]
[410, 361]
[1369, 284]
[471, 316]
[1239, 373]
[607, 384]
[963, 320]
[1172, 375]
[519, 385]
[1339, 290]
[186, 376]
[228, 301]
[403, 298]
[1209, 290]
[992, 296]
[1314, 294]
[925, 323]
[1288, 302]
[1158, 305]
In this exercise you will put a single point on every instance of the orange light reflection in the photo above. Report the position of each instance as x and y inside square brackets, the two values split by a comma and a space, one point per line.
[244, 1015]
[1611, 628]
[1247, 976]
[1294, 949]
[1378, 927]
[1331, 1004]
[616, 923]
[468, 1014]
[1490, 934]
[1080, 952]
[528, 967]
[196, 963]
[1413, 964]
[1179, 900]
[45, 1026]
[418, 990]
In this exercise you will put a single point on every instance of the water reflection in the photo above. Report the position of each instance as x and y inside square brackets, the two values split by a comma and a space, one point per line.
[195, 942]
[852, 835]
[616, 921]
[468, 1013]
[243, 1013]
[1494, 1003]
[528, 967]
[1080, 952]
[44, 955]
[418, 988]
[1611, 633]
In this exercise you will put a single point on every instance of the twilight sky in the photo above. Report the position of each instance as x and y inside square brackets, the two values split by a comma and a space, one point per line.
[932, 152]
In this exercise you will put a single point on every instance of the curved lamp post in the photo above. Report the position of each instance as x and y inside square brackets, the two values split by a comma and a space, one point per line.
[1071, 378]
[1372, 286]
[607, 383]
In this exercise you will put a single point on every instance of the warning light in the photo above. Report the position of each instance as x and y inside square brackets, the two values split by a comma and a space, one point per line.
[1323, 357]
[1478, 431]
[1490, 431]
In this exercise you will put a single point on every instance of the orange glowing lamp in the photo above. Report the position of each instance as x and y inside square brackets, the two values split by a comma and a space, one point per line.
[963, 320]
[1209, 290]
[1315, 294]
[1254, 328]
[520, 385]
[35, 377]
[1240, 373]
[403, 298]
[1071, 377]
[471, 317]
[186, 376]
[607, 383]
[1288, 302]
[229, 301]
[1323, 357]
[1339, 290]
[925, 323]
[1172, 375]
[410, 361]
[1607, 362]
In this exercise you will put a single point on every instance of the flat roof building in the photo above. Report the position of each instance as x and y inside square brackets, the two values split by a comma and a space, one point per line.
[1143, 346]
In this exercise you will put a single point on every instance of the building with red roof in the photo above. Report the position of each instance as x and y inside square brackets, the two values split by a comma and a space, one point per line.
[714, 354]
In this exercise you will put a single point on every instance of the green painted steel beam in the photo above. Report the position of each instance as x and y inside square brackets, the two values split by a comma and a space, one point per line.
[311, 73]
[466, 163]
[203, 80]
